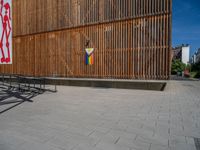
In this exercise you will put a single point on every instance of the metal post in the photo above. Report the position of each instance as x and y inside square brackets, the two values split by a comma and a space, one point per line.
[10, 81]
[3, 78]
[55, 85]
[44, 83]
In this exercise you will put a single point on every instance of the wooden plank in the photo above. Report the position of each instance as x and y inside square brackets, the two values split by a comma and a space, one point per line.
[132, 39]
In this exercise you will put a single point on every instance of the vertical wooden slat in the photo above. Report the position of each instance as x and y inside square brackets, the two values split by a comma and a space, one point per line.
[132, 38]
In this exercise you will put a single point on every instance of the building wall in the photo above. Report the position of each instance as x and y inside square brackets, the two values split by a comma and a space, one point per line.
[198, 56]
[132, 39]
[186, 54]
[194, 58]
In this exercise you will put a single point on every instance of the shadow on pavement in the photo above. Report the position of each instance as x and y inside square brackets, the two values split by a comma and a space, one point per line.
[12, 97]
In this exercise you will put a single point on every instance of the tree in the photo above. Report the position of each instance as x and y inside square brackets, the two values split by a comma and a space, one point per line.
[196, 68]
[177, 66]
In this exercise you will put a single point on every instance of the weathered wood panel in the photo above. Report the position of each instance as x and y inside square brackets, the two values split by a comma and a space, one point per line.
[127, 49]
[131, 38]
[35, 16]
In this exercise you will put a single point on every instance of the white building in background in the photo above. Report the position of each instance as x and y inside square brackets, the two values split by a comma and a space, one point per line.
[183, 53]
[186, 54]
[196, 57]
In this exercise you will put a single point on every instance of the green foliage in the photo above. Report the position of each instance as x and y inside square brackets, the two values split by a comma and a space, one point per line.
[188, 67]
[177, 66]
[197, 75]
[196, 68]
[193, 74]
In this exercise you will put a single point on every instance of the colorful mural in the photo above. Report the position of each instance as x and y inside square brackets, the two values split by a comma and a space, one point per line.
[5, 32]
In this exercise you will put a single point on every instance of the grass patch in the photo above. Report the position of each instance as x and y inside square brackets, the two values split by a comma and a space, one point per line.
[195, 74]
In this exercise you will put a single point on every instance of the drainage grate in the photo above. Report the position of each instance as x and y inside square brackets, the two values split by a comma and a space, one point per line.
[197, 143]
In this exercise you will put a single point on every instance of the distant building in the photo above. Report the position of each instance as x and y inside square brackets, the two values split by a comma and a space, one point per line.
[196, 57]
[193, 58]
[183, 53]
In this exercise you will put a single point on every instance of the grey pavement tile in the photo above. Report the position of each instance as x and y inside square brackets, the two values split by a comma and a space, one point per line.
[37, 146]
[96, 135]
[122, 134]
[8, 147]
[62, 142]
[140, 131]
[183, 146]
[177, 139]
[110, 146]
[77, 118]
[30, 133]
[190, 140]
[85, 147]
[156, 139]
[158, 147]
[10, 140]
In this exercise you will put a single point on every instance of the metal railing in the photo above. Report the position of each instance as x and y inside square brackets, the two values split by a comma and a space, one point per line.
[25, 83]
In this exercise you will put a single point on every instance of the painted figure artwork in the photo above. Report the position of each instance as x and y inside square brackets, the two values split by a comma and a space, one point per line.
[89, 56]
[5, 32]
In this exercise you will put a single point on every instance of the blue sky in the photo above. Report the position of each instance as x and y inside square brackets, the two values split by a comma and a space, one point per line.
[186, 23]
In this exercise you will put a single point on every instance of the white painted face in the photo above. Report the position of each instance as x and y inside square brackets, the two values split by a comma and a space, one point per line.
[89, 51]
[6, 35]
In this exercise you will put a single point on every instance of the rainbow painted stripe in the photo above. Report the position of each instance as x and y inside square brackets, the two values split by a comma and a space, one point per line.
[89, 56]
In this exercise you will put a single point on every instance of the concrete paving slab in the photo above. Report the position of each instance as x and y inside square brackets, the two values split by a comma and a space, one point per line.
[80, 118]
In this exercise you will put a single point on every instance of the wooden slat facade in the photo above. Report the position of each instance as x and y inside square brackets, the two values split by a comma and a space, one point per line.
[131, 38]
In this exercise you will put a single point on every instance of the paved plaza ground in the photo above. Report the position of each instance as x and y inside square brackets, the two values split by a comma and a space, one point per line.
[78, 118]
